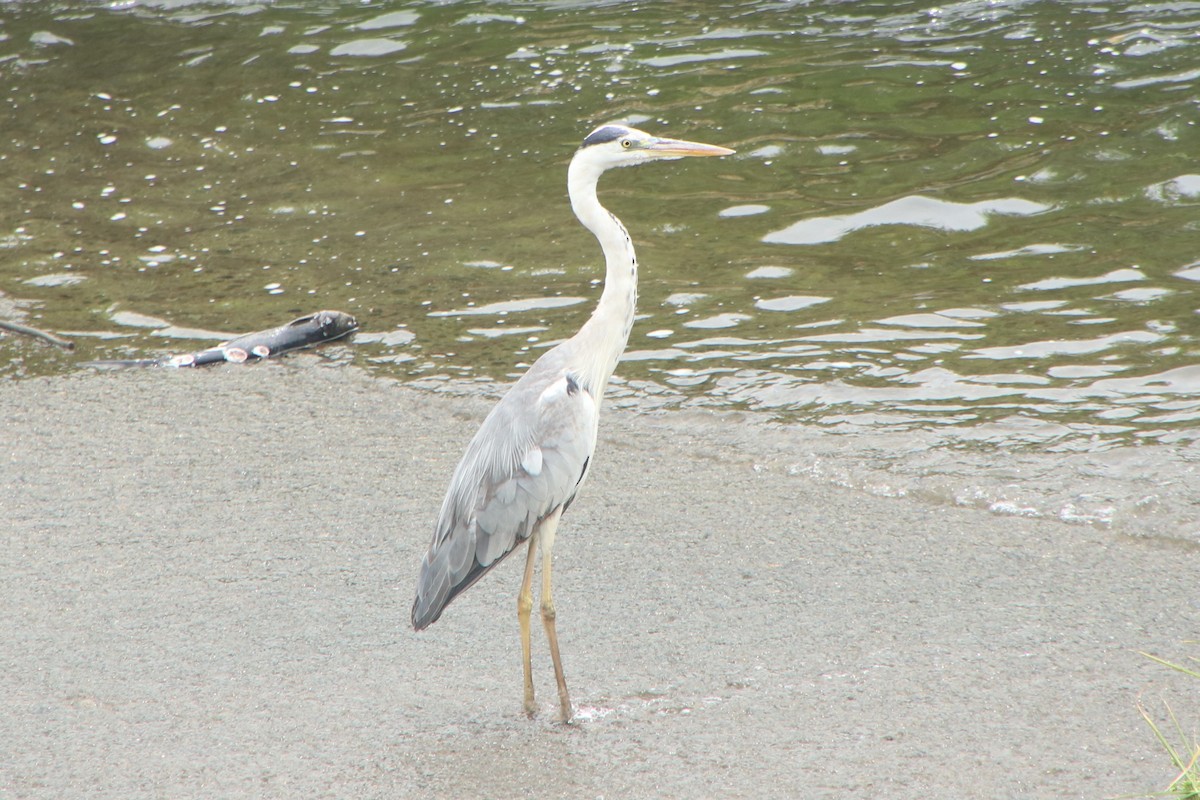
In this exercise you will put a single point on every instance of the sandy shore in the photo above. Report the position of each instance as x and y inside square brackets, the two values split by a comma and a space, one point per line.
[207, 578]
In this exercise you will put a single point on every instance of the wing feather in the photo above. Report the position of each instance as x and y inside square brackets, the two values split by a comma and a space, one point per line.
[527, 459]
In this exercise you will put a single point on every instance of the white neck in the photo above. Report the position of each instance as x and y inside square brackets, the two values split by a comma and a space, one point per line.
[602, 338]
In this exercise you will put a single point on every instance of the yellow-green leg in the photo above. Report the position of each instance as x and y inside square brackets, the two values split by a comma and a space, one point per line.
[546, 533]
[524, 607]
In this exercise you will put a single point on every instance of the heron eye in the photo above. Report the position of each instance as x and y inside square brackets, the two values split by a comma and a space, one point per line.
[626, 143]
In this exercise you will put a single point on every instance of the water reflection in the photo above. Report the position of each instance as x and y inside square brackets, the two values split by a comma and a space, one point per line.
[793, 302]
[506, 307]
[925, 212]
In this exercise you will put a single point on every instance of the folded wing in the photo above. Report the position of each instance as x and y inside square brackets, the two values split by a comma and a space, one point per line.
[528, 458]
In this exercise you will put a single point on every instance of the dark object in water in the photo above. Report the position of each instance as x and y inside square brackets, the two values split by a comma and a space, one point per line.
[307, 331]
[37, 333]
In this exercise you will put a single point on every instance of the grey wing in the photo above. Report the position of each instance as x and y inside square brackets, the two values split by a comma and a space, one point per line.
[527, 459]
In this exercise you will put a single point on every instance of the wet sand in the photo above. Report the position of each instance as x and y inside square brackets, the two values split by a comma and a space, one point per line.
[207, 578]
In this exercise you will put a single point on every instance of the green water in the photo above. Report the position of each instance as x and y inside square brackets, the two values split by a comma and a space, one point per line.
[975, 220]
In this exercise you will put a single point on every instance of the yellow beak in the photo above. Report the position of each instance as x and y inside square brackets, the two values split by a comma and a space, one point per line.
[677, 148]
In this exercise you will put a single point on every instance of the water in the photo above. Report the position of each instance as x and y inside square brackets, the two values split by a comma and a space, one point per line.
[957, 247]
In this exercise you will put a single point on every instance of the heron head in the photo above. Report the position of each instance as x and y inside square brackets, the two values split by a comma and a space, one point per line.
[621, 146]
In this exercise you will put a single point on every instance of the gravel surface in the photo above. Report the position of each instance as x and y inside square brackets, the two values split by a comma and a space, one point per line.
[207, 577]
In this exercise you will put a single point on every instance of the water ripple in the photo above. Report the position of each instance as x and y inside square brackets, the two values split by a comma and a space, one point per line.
[916, 210]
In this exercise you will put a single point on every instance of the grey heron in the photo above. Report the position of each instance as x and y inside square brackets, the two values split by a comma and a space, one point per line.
[531, 454]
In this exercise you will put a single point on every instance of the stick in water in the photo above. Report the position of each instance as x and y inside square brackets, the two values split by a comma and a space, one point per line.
[37, 334]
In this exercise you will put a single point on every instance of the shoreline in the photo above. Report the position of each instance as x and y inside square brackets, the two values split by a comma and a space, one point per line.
[208, 576]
